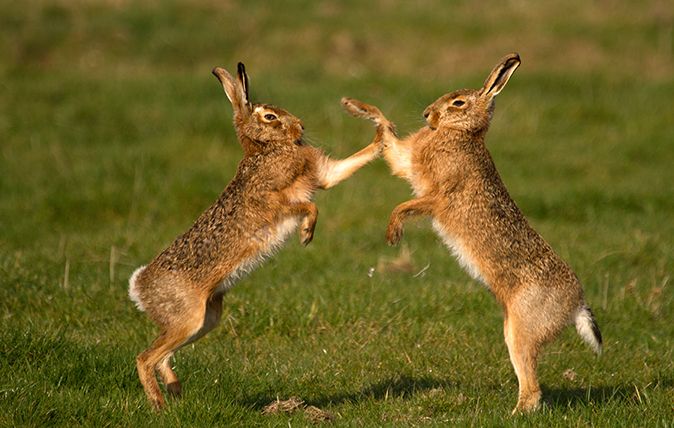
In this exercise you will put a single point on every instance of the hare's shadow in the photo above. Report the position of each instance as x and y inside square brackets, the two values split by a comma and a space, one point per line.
[407, 386]
[571, 397]
[398, 386]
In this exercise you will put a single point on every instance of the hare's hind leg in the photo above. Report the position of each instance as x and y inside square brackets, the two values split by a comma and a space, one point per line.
[149, 361]
[155, 358]
[523, 349]
[169, 377]
[178, 328]
[211, 318]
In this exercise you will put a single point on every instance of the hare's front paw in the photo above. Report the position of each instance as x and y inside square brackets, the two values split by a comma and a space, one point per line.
[353, 107]
[394, 233]
[307, 233]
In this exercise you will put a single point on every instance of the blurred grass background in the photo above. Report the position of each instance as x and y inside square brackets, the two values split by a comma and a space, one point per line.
[114, 137]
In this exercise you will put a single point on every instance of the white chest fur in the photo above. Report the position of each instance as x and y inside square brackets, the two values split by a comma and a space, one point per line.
[268, 240]
[465, 259]
[276, 235]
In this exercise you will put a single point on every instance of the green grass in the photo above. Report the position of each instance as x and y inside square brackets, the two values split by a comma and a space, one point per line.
[114, 137]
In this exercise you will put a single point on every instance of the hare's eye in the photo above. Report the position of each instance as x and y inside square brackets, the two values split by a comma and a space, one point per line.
[270, 116]
[458, 103]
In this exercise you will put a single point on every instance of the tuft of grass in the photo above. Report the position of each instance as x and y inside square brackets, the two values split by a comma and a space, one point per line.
[114, 137]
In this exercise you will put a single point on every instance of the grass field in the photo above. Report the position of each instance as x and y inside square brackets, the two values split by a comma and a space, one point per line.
[114, 137]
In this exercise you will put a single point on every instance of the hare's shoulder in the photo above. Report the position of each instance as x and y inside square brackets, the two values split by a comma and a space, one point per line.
[286, 166]
[257, 174]
[436, 165]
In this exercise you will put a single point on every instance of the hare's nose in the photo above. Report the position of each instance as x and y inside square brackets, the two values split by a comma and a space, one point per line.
[426, 113]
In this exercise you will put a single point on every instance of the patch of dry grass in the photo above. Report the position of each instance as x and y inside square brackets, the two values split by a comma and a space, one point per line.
[296, 404]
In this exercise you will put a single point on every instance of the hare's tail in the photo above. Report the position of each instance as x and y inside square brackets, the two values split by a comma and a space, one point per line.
[587, 328]
[133, 289]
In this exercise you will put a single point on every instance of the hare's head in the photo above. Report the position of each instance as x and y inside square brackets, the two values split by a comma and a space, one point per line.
[262, 124]
[471, 109]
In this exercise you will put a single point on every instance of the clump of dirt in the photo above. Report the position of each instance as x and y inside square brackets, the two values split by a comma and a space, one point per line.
[283, 406]
[294, 404]
[569, 374]
[316, 415]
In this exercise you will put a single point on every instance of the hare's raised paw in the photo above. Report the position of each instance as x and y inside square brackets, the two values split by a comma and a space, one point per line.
[394, 233]
[308, 224]
[360, 109]
[353, 107]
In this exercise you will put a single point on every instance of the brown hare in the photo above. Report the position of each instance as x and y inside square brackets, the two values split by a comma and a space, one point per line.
[182, 288]
[456, 184]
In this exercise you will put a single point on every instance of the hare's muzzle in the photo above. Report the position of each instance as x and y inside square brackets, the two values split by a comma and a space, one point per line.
[431, 118]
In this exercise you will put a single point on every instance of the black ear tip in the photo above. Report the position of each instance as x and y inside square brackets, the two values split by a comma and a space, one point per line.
[241, 68]
[514, 58]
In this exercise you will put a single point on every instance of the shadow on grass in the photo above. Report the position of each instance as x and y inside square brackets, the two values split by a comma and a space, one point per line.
[404, 386]
[395, 387]
[572, 397]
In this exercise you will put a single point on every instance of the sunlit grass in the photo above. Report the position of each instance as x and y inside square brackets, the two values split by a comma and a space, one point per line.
[114, 137]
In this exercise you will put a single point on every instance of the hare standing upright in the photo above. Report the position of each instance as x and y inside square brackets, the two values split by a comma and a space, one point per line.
[456, 183]
[182, 288]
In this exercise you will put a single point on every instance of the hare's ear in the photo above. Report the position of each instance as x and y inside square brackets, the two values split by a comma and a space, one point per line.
[234, 91]
[243, 81]
[500, 75]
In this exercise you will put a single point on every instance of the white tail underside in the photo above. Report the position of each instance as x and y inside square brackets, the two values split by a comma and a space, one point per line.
[584, 326]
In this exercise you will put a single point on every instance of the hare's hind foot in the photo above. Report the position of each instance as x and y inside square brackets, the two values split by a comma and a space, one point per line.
[169, 377]
[157, 357]
[174, 389]
[528, 403]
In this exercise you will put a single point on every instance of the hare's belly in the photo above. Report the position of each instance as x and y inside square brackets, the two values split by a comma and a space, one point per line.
[267, 240]
[466, 260]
